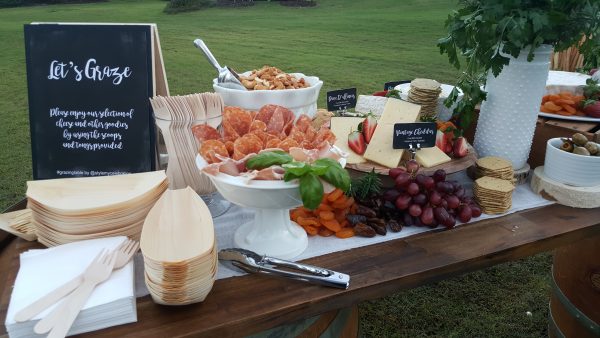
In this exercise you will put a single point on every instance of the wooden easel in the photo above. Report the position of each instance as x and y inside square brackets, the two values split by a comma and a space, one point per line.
[160, 87]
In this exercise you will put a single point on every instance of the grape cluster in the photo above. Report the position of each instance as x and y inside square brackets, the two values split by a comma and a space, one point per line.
[429, 200]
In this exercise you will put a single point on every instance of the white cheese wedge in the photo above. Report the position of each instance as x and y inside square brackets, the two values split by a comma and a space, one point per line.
[370, 104]
[381, 150]
[341, 127]
[430, 157]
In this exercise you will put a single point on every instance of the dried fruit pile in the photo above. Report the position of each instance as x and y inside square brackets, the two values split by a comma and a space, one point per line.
[244, 132]
[569, 104]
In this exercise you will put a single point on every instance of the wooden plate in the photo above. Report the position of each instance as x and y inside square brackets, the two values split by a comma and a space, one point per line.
[456, 165]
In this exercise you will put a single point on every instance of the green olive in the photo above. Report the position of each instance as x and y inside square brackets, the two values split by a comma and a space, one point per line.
[579, 139]
[581, 151]
[567, 145]
[592, 148]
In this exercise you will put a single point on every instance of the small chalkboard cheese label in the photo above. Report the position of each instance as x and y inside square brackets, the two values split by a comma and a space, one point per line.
[391, 85]
[420, 134]
[342, 99]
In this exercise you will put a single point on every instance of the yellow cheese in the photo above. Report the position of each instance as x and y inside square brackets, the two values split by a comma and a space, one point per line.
[341, 126]
[381, 150]
[430, 157]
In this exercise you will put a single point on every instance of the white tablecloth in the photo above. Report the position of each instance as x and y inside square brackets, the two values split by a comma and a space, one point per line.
[225, 226]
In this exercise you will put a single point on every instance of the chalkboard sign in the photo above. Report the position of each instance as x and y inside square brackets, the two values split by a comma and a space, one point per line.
[89, 111]
[341, 99]
[391, 85]
[420, 134]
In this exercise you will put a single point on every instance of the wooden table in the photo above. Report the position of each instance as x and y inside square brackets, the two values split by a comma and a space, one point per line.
[249, 304]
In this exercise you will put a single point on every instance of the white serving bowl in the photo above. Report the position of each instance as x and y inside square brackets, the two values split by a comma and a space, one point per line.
[300, 101]
[569, 168]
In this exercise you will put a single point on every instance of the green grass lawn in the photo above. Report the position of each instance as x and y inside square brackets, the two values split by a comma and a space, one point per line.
[347, 43]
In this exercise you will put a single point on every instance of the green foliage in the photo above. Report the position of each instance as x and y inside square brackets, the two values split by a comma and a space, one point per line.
[267, 159]
[366, 186]
[17, 3]
[485, 32]
[177, 6]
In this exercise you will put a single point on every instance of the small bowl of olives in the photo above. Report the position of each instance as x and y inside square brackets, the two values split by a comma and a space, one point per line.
[573, 161]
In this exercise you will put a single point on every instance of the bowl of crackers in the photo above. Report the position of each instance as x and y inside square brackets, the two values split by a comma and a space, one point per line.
[270, 85]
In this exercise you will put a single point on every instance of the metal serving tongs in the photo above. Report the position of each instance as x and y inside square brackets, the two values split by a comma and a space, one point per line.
[249, 261]
[227, 78]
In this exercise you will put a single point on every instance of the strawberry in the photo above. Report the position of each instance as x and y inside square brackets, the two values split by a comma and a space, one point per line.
[460, 147]
[591, 108]
[440, 140]
[356, 142]
[367, 127]
[381, 93]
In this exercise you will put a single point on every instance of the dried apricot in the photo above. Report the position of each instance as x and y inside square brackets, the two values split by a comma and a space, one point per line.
[299, 212]
[345, 233]
[332, 225]
[312, 231]
[324, 207]
[325, 232]
[326, 215]
[334, 195]
[308, 221]
[551, 106]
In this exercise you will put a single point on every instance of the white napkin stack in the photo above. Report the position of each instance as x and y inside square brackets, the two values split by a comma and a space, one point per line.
[41, 271]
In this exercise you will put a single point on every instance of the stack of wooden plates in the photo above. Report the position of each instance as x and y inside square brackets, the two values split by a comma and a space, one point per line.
[425, 92]
[72, 209]
[179, 248]
[494, 167]
[494, 195]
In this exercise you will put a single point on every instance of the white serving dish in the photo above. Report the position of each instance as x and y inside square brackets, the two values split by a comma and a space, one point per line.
[300, 101]
[569, 168]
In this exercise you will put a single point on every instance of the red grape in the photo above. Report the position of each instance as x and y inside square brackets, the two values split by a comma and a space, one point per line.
[394, 172]
[427, 216]
[420, 199]
[419, 179]
[475, 210]
[454, 184]
[408, 220]
[444, 204]
[403, 202]
[412, 189]
[453, 201]
[439, 175]
[444, 187]
[402, 180]
[415, 210]
[435, 198]
[391, 195]
[464, 213]
[412, 166]
[428, 183]
[450, 222]
[441, 215]
[417, 221]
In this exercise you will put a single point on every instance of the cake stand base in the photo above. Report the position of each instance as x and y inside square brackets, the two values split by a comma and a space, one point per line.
[272, 233]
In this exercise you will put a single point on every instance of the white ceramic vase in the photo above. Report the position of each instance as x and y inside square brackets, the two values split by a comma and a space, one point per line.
[508, 116]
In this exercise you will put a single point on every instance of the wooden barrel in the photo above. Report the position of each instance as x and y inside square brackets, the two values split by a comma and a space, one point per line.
[339, 323]
[575, 296]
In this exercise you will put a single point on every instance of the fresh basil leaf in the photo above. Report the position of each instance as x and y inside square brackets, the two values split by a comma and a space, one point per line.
[335, 174]
[288, 176]
[267, 159]
[296, 168]
[311, 191]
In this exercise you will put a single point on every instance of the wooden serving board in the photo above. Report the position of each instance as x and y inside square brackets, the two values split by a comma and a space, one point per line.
[457, 164]
[576, 197]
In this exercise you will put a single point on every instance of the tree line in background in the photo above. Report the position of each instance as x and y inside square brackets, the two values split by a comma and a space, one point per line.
[174, 6]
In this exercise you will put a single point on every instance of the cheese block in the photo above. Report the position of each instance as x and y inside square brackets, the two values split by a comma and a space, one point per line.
[430, 157]
[381, 149]
[341, 127]
[370, 104]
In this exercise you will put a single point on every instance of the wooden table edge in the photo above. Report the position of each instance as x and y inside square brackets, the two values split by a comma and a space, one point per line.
[249, 304]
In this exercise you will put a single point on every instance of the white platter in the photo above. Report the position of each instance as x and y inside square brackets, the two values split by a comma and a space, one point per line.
[570, 118]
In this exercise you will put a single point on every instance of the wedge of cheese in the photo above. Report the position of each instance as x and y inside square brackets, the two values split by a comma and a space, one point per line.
[341, 127]
[381, 149]
[430, 157]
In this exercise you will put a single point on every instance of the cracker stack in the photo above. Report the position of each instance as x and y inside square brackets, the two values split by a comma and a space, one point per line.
[494, 167]
[425, 92]
[494, 195]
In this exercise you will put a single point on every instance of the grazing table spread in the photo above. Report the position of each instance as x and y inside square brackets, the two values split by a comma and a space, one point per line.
[377, 270]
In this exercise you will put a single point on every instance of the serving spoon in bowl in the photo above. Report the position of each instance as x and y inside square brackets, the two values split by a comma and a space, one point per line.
[227, 78]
